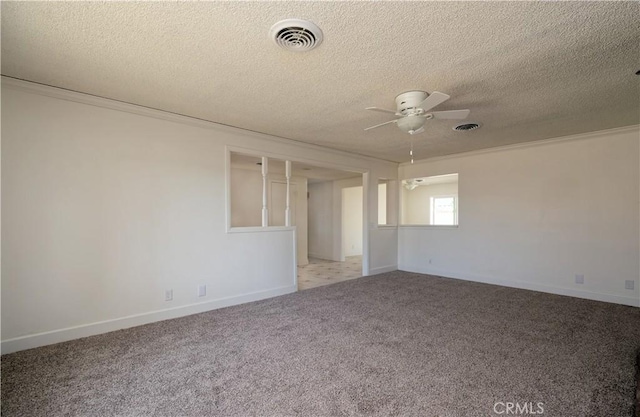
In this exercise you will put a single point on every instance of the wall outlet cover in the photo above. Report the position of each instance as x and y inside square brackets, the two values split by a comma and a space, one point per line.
[629, 284]
[579, 279]
[202, 290]
[168, 295]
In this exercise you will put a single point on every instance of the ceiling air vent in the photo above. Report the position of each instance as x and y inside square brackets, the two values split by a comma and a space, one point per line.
[296, 35]
[466, 127]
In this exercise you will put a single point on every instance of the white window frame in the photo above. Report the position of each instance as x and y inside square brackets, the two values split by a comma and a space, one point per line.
[432, 211]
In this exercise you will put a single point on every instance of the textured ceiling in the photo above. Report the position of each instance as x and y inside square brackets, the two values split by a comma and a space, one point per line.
[527, 70]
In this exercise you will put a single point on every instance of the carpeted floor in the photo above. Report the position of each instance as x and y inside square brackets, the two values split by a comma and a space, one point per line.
[393, 344]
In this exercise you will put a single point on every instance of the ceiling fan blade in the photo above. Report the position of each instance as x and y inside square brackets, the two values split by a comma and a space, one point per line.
[380, 110]
[382, 124]
[451, 114]
[433, 100]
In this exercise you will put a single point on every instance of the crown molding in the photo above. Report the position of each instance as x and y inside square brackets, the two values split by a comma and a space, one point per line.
[92, 100]
[84, 98]
[531, 144]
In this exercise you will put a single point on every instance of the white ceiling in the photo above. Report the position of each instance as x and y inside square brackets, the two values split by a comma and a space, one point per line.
[527, 70]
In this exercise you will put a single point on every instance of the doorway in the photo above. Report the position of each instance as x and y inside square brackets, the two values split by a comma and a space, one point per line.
[324, 252]
[335, 232]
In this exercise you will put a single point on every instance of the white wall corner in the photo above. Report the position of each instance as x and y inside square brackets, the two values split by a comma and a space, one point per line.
[383, 269]
[532, 286]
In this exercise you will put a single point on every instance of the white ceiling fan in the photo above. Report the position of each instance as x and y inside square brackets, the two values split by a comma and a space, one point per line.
[413, 108]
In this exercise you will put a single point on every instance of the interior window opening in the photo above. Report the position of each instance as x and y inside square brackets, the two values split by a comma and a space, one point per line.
[431, 201]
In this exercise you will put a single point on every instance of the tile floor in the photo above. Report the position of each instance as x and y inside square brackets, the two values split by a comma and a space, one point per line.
[322, 272]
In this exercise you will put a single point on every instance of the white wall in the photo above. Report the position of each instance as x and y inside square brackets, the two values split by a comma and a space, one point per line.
[246, 197]
[382, 203]
[383, 239]
[338, 186]
[321, 220]
[106, 205]
[534, 216]
[352, 221]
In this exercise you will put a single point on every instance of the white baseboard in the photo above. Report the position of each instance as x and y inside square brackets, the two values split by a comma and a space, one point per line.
[92, 329]
[589, 295]
[321, 256]
[383, 269]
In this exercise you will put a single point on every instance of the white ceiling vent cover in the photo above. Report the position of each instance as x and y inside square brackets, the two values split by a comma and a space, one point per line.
[296, 35]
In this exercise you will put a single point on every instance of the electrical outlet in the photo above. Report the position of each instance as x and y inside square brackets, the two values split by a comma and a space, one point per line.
[168, 295]
[429, 260]
[202, 290]
[629, 284]
[579, 279]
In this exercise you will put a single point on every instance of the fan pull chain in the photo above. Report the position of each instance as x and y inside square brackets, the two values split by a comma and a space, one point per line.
[411, 152]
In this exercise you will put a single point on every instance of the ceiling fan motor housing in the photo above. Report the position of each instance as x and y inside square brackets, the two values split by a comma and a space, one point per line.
[410, 100]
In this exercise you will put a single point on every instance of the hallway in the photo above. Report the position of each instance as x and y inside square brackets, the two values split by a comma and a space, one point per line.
[323, 272]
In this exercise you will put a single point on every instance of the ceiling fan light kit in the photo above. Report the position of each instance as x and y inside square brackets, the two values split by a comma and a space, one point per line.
[412, 184]
[411, 124]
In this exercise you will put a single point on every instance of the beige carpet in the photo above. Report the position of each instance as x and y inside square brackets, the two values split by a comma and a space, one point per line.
[394, 344]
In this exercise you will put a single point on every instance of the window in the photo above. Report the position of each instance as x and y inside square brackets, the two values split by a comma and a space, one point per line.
[443, 211]
[431, 201]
